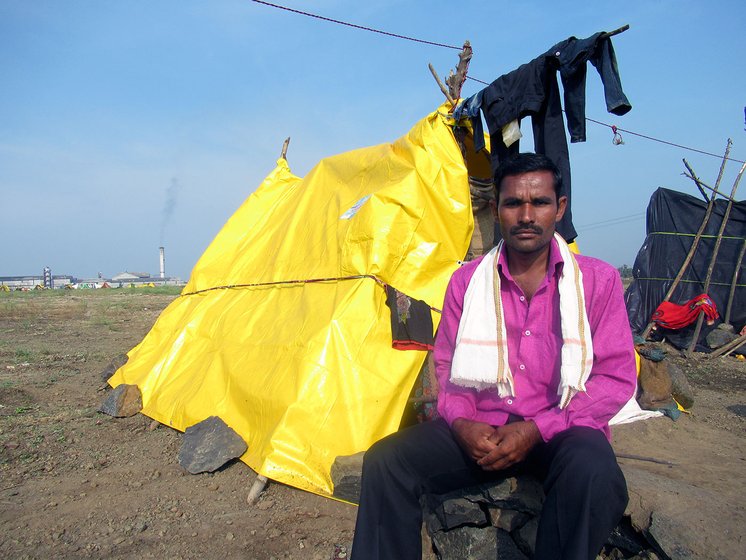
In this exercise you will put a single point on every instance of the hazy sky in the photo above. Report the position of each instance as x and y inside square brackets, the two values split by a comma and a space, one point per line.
[129, 125]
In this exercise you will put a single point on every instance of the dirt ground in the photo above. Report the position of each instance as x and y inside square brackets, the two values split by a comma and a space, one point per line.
[75, 483]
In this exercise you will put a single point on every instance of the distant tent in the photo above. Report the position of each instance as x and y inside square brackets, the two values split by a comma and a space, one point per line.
[673, 219]
[283, 329]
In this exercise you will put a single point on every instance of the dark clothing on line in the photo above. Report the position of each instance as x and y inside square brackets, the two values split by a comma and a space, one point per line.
[411, 321]
[578, 465]
[573, 56]
[532, 90]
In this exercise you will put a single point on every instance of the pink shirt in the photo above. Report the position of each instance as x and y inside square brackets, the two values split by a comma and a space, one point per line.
[534, 345]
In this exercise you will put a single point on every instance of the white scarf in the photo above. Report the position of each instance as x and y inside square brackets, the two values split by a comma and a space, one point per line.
[480, 359]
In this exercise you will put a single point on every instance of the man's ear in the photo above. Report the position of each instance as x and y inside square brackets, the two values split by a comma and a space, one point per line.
[493, 207]
[561, 207]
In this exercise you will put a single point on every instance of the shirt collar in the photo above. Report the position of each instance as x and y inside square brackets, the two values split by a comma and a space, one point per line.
[554, 266]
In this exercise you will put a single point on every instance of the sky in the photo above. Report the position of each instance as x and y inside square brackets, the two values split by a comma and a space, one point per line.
[125, 126]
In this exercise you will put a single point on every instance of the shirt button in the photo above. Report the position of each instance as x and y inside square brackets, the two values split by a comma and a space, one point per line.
[522, 298]
[510, 401]
[527, 333]
[521, 367]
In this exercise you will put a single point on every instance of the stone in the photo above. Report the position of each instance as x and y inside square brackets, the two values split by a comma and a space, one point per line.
[209, 445]
[456, 512]
[525, 537]
[522, 493]
[123, 401]
[681, 520]
[655, 385]
[475, 543]
[346, 472]
[680, 388]
[626, 538]
[507, 519]
[117, 362]
[720, 336]
[665, 532]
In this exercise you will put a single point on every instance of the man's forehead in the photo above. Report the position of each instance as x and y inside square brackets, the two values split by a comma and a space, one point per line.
[538, 183]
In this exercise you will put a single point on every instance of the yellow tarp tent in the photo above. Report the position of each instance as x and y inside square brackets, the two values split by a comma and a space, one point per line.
[283, 331]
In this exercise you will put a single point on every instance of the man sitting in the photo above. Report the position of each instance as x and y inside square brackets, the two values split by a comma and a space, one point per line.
[533, 356]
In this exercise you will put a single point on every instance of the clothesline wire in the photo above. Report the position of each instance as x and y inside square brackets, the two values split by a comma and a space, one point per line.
[405, 37]
[616, 128]
[361, 27]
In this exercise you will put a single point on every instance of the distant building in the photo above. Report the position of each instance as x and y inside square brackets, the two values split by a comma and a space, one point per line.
[30, 282]
[128, 276]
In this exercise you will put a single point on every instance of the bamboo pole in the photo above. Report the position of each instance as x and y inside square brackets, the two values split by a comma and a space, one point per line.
[622, 29]
[728, 348]
[739, 260]
[441, 85]
[256, 489]
[713, 259]
[455, 81]
[697, 182]
[285, 145]
[708, 187]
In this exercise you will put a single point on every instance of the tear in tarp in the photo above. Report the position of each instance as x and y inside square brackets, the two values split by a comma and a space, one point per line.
[673, 219]
[305, 372]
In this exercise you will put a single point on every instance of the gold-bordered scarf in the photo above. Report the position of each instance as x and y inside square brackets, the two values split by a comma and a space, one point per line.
[480, 359]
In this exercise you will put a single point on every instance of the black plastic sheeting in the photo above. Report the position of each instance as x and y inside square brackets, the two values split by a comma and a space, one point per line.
[673, 219]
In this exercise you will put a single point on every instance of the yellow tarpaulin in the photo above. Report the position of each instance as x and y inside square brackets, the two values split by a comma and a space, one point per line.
[304, 371]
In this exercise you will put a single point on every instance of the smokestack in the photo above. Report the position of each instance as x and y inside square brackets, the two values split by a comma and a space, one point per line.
[163, 262]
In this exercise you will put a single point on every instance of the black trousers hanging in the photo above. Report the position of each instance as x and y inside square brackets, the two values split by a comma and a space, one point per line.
[585, 491]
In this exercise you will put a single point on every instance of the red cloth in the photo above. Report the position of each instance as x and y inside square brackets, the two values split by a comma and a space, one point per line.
[673, 316]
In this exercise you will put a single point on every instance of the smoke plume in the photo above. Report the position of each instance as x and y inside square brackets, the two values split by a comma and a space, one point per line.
[169, 205]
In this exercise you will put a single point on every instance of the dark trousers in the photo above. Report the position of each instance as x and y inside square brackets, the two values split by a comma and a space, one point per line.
[585, 491]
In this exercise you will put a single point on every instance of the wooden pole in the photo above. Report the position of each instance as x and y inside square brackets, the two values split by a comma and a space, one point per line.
[285, 144]
[622, 29]
[714, 257]
[708, 187]
[455, 81]
[441, 86]
[697, 182]
[737, 270]
[728, 348]
[256, 489]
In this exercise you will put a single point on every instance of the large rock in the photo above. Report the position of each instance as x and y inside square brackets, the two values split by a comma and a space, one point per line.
[346, 473]
[123, 401]
[680, 388]
[525, 537]
[655, 385]
[720, 336]
[476, 543]
[508, 519]
[209, 445]
[117, 362]
[521, 493]
[454, 512]
[683, 521]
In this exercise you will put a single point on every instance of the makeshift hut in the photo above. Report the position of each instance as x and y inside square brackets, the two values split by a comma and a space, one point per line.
[673, 220]
[284, 331]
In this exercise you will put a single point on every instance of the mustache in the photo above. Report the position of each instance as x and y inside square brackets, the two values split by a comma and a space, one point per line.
[528, 227]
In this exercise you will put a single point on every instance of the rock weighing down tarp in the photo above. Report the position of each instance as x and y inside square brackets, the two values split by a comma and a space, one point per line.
[305, 371]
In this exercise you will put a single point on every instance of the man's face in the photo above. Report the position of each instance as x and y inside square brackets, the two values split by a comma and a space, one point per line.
[528, 209]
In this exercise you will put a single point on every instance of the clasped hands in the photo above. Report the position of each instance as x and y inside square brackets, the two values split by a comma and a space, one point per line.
[496, 448]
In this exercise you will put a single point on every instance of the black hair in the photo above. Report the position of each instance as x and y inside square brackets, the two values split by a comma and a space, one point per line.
[526, 163]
